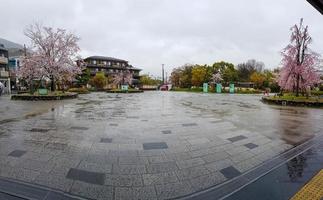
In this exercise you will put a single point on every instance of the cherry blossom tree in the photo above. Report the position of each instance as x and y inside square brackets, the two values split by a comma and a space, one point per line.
[299, 62]
[30, 70]
[216, 78]
[54, 54]
[124, 77]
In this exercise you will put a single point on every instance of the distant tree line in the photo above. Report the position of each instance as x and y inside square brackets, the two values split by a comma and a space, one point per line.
[189, 75]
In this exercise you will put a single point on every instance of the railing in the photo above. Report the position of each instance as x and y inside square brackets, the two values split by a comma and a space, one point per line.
[4, 74]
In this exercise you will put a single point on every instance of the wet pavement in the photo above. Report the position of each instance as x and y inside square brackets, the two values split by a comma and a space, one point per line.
[283, 182]
[154, 145]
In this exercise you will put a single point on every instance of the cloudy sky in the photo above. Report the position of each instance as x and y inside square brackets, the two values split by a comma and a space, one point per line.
[148, 33]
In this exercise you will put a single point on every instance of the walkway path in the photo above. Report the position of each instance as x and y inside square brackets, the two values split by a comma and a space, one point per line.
[155, 145]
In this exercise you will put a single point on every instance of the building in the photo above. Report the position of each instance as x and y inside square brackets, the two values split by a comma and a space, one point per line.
[110, 66]
[4, 71]
[16, 53]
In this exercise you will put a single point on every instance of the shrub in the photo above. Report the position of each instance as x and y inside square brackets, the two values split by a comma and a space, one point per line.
[99, 80]
[79, 90]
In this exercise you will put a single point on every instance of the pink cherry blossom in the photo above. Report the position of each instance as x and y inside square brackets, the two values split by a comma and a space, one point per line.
[53, 56]
[299, 62]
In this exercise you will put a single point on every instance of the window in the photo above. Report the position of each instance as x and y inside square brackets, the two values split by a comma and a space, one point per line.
[94, 62]
[104, 62]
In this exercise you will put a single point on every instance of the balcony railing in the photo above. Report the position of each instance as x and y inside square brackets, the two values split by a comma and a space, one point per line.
[4, 74]
[3, 60]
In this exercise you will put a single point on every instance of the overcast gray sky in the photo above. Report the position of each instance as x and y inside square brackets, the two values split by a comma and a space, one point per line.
[148, 33]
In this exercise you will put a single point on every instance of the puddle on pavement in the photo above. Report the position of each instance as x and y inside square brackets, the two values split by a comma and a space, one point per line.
[286, 180]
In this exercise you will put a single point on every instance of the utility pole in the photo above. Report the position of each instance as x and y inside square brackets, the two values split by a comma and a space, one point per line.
[163, 74]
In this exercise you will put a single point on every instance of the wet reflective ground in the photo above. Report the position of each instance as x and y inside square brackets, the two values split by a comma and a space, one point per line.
[285, 181]
[154, 145]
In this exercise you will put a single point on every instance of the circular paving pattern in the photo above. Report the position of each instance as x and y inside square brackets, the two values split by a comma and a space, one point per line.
[153, 145]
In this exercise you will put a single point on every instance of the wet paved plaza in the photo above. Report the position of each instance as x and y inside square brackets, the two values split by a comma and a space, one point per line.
[154, 145]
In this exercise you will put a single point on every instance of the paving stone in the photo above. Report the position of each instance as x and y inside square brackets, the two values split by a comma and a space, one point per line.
[166, 132]
[95, 167]
[133, 160]
[99, 192]
[251, 145]
[41, 130]
[159, 159]
[113, 124]
[161, 167]
[129, 169]
[207, 181]
[133, 180]
[23, 174]
[189, 124]
[154, 145]
[17, 153]
[190, 163]
[86, 176]
[37, 165]
[172, 190]
[193, 172]
[160, 178]
[215, 157]
[236, 138]
[81, 128]
[106, 140]
[37, 156]
[230, 172]
[135, 193]
[197, 141]
[54, 181]
[56, 145]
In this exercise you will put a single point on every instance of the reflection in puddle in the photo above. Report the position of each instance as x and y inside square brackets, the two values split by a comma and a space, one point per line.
[296, 167]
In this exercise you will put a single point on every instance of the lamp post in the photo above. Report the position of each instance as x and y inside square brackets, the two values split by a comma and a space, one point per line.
[163, 74]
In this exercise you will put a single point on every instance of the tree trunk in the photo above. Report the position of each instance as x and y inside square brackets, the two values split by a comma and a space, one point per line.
[297, 86]
[52, 84]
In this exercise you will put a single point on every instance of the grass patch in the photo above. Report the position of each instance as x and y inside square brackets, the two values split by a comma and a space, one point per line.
[290, 97]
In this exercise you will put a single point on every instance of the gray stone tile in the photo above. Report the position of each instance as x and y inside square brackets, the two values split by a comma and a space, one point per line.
[166, 132]
[207, 181]
[237, 138]
[129, 169]
[95, 167]
[99, 192]
[37, 165]
[54, 181]
[230, 172]
[113, 124]
[189, 124]
[23, 174]
[133, 160]
[215, 157]
[172, 190]
[190, 163]
[161, 167]
[160, 178]
[154, 145]
[79, 128]
[193, 172]
[251, 145]
[136, 193]
[17, 153]
[86, 176]
[41, 130]
[106, 140]
[133, 180]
